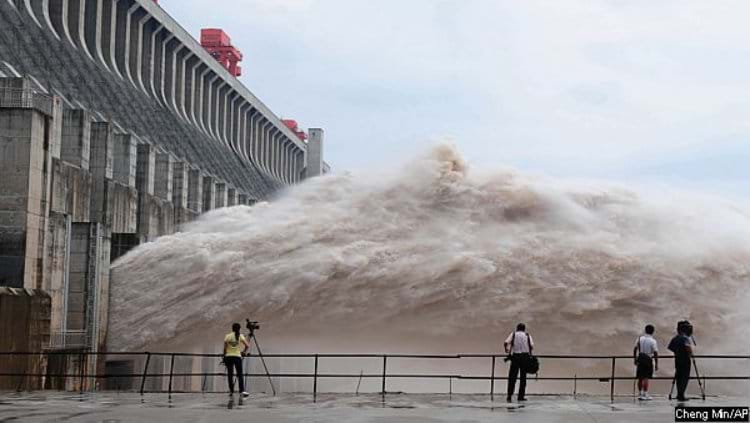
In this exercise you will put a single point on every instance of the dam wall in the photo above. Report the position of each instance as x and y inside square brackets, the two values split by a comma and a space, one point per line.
[116, 128]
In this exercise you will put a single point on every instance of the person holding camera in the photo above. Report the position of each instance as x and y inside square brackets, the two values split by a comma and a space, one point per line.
[646, 356]
[682, 347]
[519, 346]
[235, 346]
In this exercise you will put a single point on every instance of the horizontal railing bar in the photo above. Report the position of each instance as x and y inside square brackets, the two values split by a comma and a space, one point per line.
[429, 356]
[355, 376]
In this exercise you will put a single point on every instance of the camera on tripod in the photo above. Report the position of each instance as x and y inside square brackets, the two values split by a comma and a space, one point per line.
[252, 326]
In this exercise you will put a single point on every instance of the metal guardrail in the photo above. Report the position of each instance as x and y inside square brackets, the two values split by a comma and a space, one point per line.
[611, 378]
[26, 98]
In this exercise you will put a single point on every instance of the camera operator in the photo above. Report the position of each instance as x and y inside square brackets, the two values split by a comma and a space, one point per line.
[235, 346]
[682, 347]
[519, 345]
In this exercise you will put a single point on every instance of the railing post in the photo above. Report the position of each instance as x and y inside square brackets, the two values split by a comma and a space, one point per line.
[315, 380]
[171, 372]
[145, 370]
[385, 361]
[45, 361]
[81, 358]
[492, 380]
[612, 381]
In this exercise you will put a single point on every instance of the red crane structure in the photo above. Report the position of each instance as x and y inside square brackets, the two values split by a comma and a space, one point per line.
[292, 124]
[219, 45]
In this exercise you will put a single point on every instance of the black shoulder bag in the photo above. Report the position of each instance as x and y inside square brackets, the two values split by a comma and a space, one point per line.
[532, 364]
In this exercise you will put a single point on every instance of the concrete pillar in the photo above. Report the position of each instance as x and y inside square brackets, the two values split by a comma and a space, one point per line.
[180, 184]
[146, 166]
[252, 147]
[147, 225]
[315, 153]
[164, 176]
[209, 193]
[197, 107]
[76, 288]
[130, 47]
[221, 195]
[195, 190]
[140, 37]
[125, 153]
[180, 187]
[102, 167]
[231, 197]
[22, 192]
[109, 34]
[186, 88]
[287, 162]
[263, 146]
[76, 137]
[273, 146]
[153, 60]
[167, 49]
[164, 208]
[177, 79]
[102, 19]
[301, 165]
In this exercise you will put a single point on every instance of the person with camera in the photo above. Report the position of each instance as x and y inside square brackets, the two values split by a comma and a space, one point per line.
[519, 346]
[682, 347]
[646, 356]
[235, 346]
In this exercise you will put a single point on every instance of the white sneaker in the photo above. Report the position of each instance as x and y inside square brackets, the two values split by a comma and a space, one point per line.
[647, 397]
[245, 394]
[641, 397]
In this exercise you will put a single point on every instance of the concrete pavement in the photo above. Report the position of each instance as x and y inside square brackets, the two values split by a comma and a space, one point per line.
[410, 408]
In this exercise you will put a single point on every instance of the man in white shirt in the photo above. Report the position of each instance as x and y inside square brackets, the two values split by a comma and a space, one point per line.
[519, 345]
[646, 354]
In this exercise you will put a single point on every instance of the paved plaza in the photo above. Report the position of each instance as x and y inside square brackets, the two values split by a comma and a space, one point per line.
[409, 408]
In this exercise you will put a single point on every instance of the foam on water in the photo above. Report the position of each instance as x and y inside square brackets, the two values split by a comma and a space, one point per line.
[436, 259]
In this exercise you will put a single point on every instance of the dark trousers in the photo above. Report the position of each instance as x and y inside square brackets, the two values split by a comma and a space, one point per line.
[517, 364]
[681, 376]
[233, 363]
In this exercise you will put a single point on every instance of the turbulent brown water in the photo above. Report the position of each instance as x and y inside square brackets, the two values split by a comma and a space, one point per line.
[434, 258]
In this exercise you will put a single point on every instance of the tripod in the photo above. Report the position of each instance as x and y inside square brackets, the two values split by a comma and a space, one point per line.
[252, 336]
[697, 376]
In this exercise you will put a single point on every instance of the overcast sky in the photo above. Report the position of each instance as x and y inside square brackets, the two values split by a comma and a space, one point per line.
[620, 89]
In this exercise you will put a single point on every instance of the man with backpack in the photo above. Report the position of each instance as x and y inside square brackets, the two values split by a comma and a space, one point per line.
[646, 355]
[519, 346]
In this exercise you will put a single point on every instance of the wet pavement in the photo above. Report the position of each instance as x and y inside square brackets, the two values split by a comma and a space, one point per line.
[409, 408]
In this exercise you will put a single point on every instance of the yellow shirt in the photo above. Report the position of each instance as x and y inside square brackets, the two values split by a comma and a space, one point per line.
[233, 346]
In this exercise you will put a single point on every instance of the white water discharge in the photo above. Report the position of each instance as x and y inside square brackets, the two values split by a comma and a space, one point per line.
[435, 259]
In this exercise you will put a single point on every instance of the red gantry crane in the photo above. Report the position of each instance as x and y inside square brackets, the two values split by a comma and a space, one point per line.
[292, 124]
[218, 43]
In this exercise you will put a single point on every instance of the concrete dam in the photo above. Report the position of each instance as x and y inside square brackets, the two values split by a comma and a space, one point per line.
[116, 127]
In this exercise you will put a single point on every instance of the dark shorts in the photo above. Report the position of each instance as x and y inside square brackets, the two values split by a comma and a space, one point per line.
[645, 369]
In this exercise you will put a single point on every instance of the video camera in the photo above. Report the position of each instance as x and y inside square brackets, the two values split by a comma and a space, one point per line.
[252, 326]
